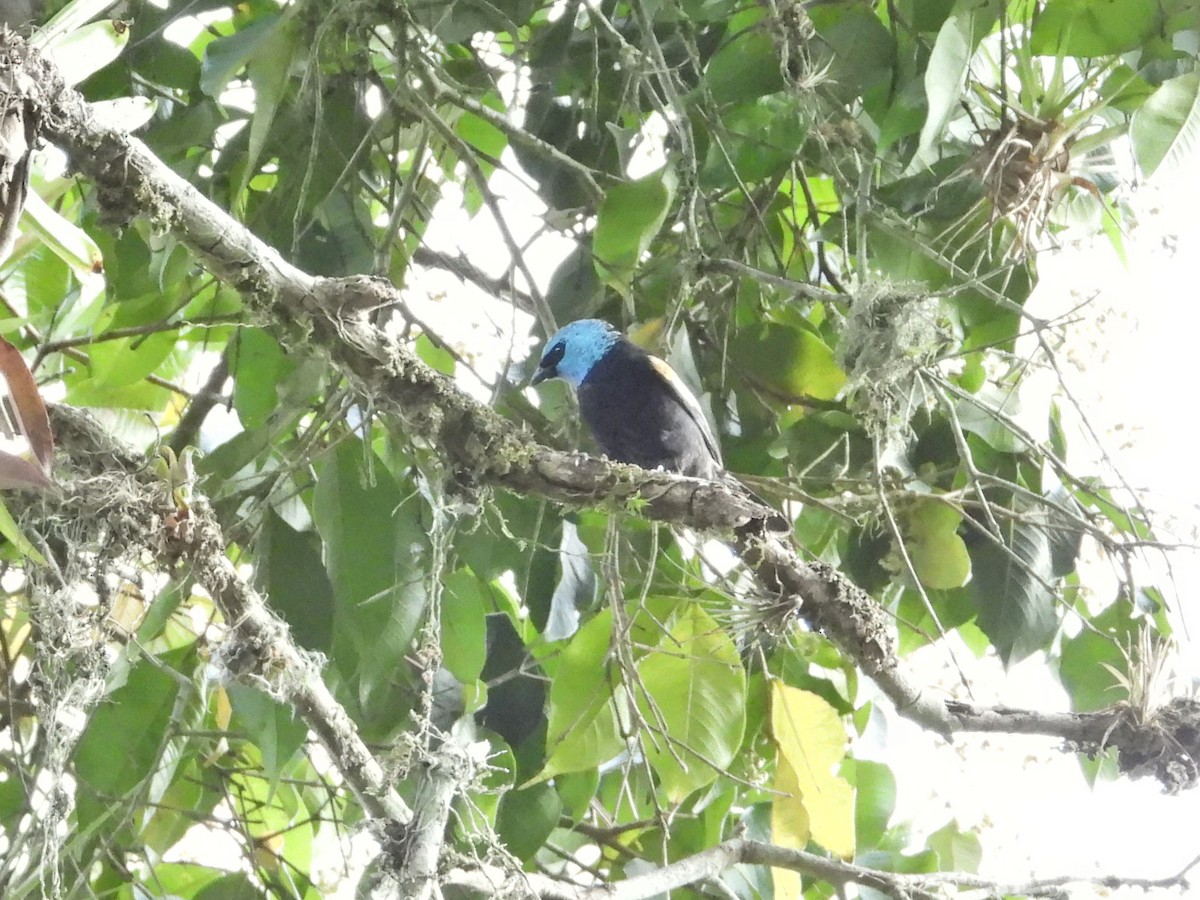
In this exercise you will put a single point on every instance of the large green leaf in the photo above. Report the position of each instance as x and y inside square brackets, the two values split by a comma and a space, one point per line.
[938, 553]
[957, 850]
[125, 737]
[746, 65]
[1093, 27]
[289, 569]
[758, 139]
[1013, 588]
[271, 726]
[226, 56]
[464, 625]
[629, 218]
[693, 695]
[792, 364]
[949, 65]
[874, 801]
[526, 817]
[1166, 131]
[269, 66]
[1088, 660]
[376, 547]
[259, 365]
[87, 49]
[583, 730]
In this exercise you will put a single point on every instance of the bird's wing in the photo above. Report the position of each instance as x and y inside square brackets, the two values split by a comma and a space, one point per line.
[689, 402]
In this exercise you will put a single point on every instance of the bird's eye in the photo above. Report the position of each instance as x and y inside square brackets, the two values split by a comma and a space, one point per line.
[553, 356]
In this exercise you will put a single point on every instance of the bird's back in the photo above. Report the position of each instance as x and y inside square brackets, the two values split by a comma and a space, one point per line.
[637, 415]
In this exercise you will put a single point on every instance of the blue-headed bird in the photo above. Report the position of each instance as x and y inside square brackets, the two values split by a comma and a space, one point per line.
[636, 407]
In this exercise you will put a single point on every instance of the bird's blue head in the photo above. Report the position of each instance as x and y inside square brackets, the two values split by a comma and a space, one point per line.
[572, 352]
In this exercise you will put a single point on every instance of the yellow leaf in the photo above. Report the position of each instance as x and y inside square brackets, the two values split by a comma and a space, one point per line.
[789, 825]
[224, 710]
[787, 884]
[128, 609]
[811, 742]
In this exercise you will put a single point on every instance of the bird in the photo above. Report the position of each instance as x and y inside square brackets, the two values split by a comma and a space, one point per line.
[635, 406]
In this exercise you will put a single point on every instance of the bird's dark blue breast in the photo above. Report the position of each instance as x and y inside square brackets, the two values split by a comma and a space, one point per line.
[636, 416]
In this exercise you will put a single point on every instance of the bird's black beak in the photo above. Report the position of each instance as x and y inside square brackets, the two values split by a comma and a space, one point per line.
[548, 367]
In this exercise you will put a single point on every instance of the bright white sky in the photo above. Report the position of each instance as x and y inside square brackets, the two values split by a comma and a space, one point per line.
[1134, 356]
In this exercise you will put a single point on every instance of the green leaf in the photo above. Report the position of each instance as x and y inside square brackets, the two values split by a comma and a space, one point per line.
[191, 796]
[70, 17]
[464, 625]
[864, 50]
[69, 242]
[629, 217]
[576, 790]
[170, 879]
[874, 801]
[11, 531]
[270, 725]
[758, 139]
[986, 414]
[1084, 666]
[259, 365]
[526, 817]
[269, 67]
[938, 553]
[746, 64]
[124, 738]
[1093, 27]
[237, 886]
[949, 64]
[695, 681]
[123, 362]
[1166, 131]
[793, 364]
[583, 730]
[958, 851]
[481, 134]
[1012, 586]
[87, 49]
[288, 568]
[434, 356]
[226, 56]
[376, 547]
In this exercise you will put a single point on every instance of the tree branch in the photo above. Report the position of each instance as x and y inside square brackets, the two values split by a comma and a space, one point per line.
[258, 648]
[711, 863]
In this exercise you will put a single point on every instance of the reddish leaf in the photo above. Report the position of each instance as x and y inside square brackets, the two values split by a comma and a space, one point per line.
[16, 472]
[24, 407]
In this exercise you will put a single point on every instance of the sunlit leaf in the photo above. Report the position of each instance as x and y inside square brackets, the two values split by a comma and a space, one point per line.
[938, 553]
[694, 689]
[629, 218]
[1166, 130]
[793, 364]
[1093, 27]
[810, 739]
[87, 49]
[583, 730]
[949, 63]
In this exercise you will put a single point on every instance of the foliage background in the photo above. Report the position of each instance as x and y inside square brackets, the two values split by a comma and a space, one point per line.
[829, 218]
